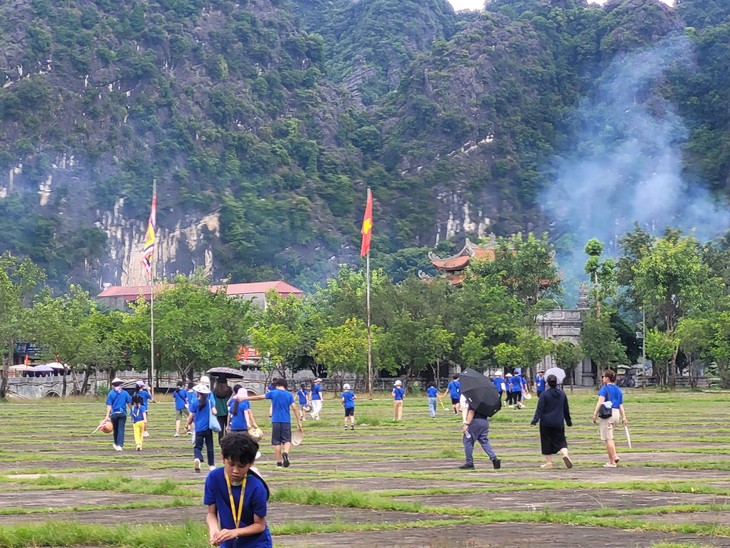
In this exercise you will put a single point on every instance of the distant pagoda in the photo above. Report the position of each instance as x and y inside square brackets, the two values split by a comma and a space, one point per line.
[452, 268]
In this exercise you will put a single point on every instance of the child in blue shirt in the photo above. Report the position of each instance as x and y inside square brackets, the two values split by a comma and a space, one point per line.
[302, 396]
[454, 392]
[398, 396]
[237, 497]
[241, 416]
[139, 418]
[540, 383]
[180, 397]
[348, 402]
[146, 398]
[432, 392]
[517, 383]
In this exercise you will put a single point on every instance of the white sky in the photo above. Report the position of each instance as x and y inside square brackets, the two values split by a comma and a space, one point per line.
[479, 4]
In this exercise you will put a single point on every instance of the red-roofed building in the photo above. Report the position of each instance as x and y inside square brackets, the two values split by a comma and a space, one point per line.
[119, 297]
[454, 266]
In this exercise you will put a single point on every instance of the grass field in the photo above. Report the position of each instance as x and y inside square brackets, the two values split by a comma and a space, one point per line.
[385, 484]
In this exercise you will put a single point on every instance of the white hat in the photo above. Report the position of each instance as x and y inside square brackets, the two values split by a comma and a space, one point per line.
[117, 380]
[205, 380]
[398, 383]
[201, 389]
[345, 386]
[140, 383]
[508, 375]
[317, 380]
[497, 373]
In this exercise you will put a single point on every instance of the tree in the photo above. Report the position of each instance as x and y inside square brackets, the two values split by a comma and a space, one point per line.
[601, 344]
[473, 352]
[661, 347]
[601, 274]
[19, 281]
[692, 334]
[567, 356]
[344, 348]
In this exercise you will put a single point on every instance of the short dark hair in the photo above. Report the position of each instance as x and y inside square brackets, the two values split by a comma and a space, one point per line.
[137, 400]
[432, 384]
[552, 381]
[239, 448]
[280, 382]
[179, 384]
[190, 385]
[610, 375]
[456, 376]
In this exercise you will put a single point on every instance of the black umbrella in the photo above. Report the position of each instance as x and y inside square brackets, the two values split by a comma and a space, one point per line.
[225, 373]
[480, 392]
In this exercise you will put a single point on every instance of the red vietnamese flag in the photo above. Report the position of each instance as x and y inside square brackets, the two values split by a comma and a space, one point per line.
[367, 226]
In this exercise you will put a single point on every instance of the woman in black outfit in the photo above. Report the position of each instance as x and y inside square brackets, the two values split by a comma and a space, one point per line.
[553, 414]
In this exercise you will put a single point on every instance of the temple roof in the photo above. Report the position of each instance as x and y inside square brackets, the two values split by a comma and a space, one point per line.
[133, 292]
[461, 260]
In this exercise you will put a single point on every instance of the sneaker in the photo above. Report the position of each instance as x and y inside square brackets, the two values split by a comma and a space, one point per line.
[139, 447]
[176, 435]
[616, 460]
[546, 466]
[196, 464]
[120, 448]
[146, 434]
[189, 432]
[352, 427]
[279, 465]
[567, 461]
[115, 446]
[496, 463]
[211, 468]
[466, 467]
[347, 427]
[609, 465]
[285, 456]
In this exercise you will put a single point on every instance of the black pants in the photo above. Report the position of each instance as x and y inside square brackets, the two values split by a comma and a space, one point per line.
[206, 436]
[223, 421]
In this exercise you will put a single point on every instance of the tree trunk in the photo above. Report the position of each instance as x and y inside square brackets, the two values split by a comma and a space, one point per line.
[87, 374]
[65, 383]
[6, 366]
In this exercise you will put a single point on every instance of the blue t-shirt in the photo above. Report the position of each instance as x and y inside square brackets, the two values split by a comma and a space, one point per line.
[398, 393]
[498, 382]
[612, 393]
[516, 383]
[201, 416]
[137, 413]
[254, 502]
[540, 383]
[118, 401]
[281, 401]
[181, 398]
[454, 389]
[348, 399]
[238, 421]
[302, 394]
[146, 397]
[316, 392]
[432, 391]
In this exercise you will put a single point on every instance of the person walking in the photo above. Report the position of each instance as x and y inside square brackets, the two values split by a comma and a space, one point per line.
[222, 393]
[303, 397]
[553, 413]
[315, 398]
[146, 396]
[281, 402]
[433, 393]
[498, 383]
[476, 430]
[399, 394]
[139, 417]
[517, 383]
[117, 401]
[200, 414]
[240, 415]
[540, 383]
[348, 402]
[611, 399]
[180, 397]
[454, 392]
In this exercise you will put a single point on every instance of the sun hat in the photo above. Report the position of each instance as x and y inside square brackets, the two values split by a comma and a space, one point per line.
[205, 380]
[140, 383]
[117, 380]
[345, 386]
[508, 375]
[398, 383]
[201, 389]
[497, 373]
[317, 380]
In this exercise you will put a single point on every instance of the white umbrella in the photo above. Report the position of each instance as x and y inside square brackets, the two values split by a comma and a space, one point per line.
[558, 372]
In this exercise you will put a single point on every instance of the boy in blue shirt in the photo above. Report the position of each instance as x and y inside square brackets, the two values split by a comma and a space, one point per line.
[454, 391]
[540, 383]
[303, 396]
[399, 394]
[237, 497]
[433, 393]
[180, 397]
[348, 402]
[281, 402]
[315, 398]
[517, 383]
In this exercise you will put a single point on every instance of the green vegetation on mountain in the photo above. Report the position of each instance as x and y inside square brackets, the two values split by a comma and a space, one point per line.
[276, 114]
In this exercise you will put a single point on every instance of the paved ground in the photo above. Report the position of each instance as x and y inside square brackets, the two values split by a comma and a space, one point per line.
[680, 469]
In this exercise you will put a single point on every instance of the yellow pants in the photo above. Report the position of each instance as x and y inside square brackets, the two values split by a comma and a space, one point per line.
[138, 432]
[398, 409]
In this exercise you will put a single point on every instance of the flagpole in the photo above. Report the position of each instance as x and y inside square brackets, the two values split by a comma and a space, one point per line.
[152, 304]
[370, 340]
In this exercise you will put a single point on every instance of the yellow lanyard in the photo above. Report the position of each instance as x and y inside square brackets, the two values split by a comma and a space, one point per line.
[236, 514]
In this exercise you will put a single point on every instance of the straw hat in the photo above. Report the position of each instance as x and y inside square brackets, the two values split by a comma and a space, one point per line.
[117, 380]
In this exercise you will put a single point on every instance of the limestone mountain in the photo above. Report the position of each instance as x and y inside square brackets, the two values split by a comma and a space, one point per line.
[263, 121]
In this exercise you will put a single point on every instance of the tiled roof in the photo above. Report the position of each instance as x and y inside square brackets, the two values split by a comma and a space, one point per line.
[452, 263]
[132, 292]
